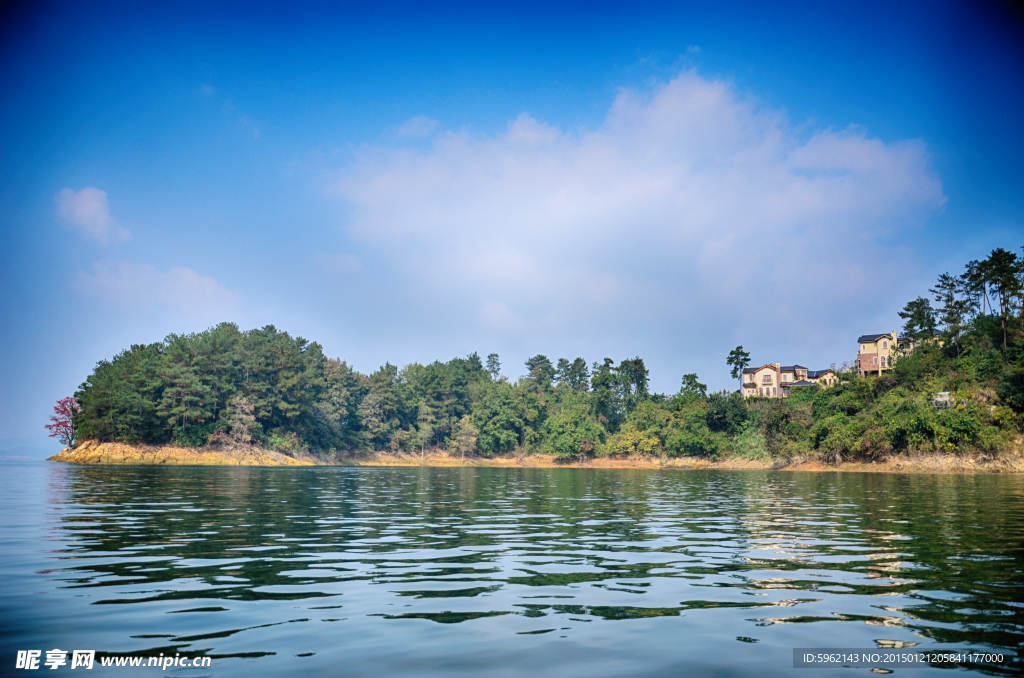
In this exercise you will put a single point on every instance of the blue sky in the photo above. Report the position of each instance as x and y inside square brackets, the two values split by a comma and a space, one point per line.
[412, 182]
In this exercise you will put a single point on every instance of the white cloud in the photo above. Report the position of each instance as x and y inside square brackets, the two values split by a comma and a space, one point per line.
[89, 211]
[419, 127]
[690, 211]
[141, 287]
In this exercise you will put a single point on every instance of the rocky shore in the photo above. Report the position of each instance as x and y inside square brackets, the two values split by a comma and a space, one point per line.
[1006, 462]
[91, 452]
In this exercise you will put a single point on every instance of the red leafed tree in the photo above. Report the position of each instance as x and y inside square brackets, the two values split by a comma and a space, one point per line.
[62, 425]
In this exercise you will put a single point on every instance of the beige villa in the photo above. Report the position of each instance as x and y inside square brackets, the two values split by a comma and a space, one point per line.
[774, 379]
[875, 352]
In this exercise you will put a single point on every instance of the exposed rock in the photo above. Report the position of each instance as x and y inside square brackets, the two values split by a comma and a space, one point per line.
[92, 452]
[1010, 461]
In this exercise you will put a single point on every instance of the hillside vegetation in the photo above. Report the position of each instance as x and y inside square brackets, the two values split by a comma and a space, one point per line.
[265, 387]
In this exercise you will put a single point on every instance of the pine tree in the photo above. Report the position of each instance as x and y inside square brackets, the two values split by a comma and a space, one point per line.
[739, 360]
[953, 309]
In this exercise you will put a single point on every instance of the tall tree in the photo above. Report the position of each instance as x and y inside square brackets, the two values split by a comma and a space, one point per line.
[338, 404]
[425, 425]
[214, 356]
[446, 387]
[975, 286]
[540, 371]
[606, 394]
[739, 360]
[693, 389]
[185, 399]
[465, 436]
[502, 418]
[281, 376]
[953, 309]
[381, 411]
[574, 375]
[372, 421]
[1002, 272]
[919, 317]
[494, 366]
[634, 377]
[118, 402]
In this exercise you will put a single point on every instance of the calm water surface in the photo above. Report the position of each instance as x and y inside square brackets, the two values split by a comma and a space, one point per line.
[505, 572]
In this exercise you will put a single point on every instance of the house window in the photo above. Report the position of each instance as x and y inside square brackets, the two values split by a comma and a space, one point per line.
[760, 391]
[863, 347]
[874, 361]
[883, 361]
[775, 391]
[885, 344]
[766, 379]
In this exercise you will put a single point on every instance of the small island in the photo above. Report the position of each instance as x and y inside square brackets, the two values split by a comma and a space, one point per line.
[946, 395]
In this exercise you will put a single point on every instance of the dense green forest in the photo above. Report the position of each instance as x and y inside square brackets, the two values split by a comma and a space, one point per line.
[265, 387]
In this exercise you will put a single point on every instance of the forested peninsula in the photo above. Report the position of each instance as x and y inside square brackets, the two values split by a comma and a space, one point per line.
[225, 389]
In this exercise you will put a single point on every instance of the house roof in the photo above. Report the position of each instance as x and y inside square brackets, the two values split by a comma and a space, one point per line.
[802, 382]
[782, 368]
[872, 337]
[812, 374]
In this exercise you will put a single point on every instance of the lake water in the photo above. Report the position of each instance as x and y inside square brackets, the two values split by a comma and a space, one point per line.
[505, 572]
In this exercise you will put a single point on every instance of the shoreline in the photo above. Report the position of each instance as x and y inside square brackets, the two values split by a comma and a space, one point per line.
[119, 454]
[1007, 462]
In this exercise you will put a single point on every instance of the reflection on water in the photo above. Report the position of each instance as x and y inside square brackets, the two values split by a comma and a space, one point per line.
[507, 571]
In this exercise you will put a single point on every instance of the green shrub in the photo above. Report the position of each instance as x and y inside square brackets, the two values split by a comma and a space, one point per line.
[909, 426]
[1011, 389]
[688, 442]
[726, 413]
[193, 435]
[750, 444]
[961, 427]
[847, 397]
[802, 394]
[634, 443]
[571, 432]
[284, 441]
[836, 437]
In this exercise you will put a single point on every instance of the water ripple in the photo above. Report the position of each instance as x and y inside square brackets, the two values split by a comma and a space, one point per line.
[453, 571]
